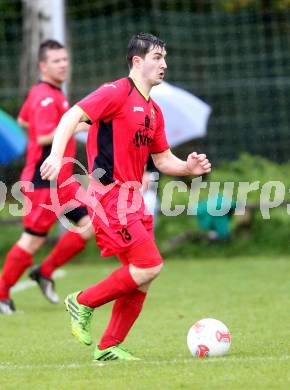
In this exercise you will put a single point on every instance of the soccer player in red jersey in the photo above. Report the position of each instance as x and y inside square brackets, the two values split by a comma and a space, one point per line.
[127, 127]
[40, 115]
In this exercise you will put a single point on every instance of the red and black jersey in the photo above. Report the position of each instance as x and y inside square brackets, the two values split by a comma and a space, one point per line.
[126, 129]
[42, 110]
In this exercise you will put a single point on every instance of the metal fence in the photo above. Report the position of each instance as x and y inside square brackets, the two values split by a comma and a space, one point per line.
[237, 62]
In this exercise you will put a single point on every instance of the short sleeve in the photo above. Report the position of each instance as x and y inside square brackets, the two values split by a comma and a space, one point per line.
[159, 143]
[46, 116]
[104, 101]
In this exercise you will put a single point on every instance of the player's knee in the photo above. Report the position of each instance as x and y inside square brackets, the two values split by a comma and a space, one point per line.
[88, 233]
[155, 271]
[87, 230]
[145, 275]
[31, 243]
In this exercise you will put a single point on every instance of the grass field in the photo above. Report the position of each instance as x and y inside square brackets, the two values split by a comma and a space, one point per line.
[250, 295]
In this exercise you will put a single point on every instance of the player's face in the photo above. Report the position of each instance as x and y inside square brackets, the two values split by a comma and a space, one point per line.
[154, 66]
[55, 66]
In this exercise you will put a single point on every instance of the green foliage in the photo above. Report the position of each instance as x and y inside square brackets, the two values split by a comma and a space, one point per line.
[11, 105]
[250, 168]
[10, 11]
[266, 5]
[247, 169]
[251, 234]
[10, 50]
[95, 8]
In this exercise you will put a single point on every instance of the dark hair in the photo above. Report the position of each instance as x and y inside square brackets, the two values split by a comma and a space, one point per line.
[140, 44]
[49, 44]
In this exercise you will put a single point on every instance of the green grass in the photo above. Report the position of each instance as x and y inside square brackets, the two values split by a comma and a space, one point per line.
[251, 295]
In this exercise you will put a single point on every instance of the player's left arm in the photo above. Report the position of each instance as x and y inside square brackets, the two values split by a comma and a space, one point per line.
[169, 164]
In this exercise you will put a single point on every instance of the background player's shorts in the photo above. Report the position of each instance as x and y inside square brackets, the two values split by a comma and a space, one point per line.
[113, 236]
[38, 219]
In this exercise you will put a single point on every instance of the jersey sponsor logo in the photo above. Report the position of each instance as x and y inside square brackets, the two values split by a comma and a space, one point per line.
[142, 138]
[109, 85]
[45, 102]
[65, 104]
[147, 122]
[140, 109]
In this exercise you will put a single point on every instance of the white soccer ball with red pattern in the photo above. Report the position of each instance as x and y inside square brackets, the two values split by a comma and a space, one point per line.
[208, 337]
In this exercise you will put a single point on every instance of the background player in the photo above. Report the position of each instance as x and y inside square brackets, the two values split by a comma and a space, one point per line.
[40, 114]
[127, 127]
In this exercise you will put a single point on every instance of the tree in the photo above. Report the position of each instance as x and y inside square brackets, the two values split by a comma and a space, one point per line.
[38, 25]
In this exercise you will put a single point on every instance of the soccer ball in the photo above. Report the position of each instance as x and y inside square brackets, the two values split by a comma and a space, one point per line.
[208, 337]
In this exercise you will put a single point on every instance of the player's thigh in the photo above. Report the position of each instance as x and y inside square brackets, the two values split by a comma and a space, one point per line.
[80, 217]
[143, 256]
[86, 227]
[37, 219]
[123, 258]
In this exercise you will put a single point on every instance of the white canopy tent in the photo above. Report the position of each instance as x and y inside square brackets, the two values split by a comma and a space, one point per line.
[185, 115]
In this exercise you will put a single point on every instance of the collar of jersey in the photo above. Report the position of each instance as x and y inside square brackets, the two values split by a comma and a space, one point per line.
[139, 90]
[51, 85]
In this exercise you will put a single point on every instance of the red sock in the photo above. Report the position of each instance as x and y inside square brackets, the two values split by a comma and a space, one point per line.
[119, 283]
[67, 246]
[17, 260]
[125, 312]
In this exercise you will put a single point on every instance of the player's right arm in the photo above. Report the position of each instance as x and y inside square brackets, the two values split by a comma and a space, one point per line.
[22, 123]
[101, 103]
[48, 138]
[64, 131]
[23, 116]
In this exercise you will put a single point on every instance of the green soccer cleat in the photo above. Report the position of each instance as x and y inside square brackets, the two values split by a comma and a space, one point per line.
[80, 316]
[113, 353]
